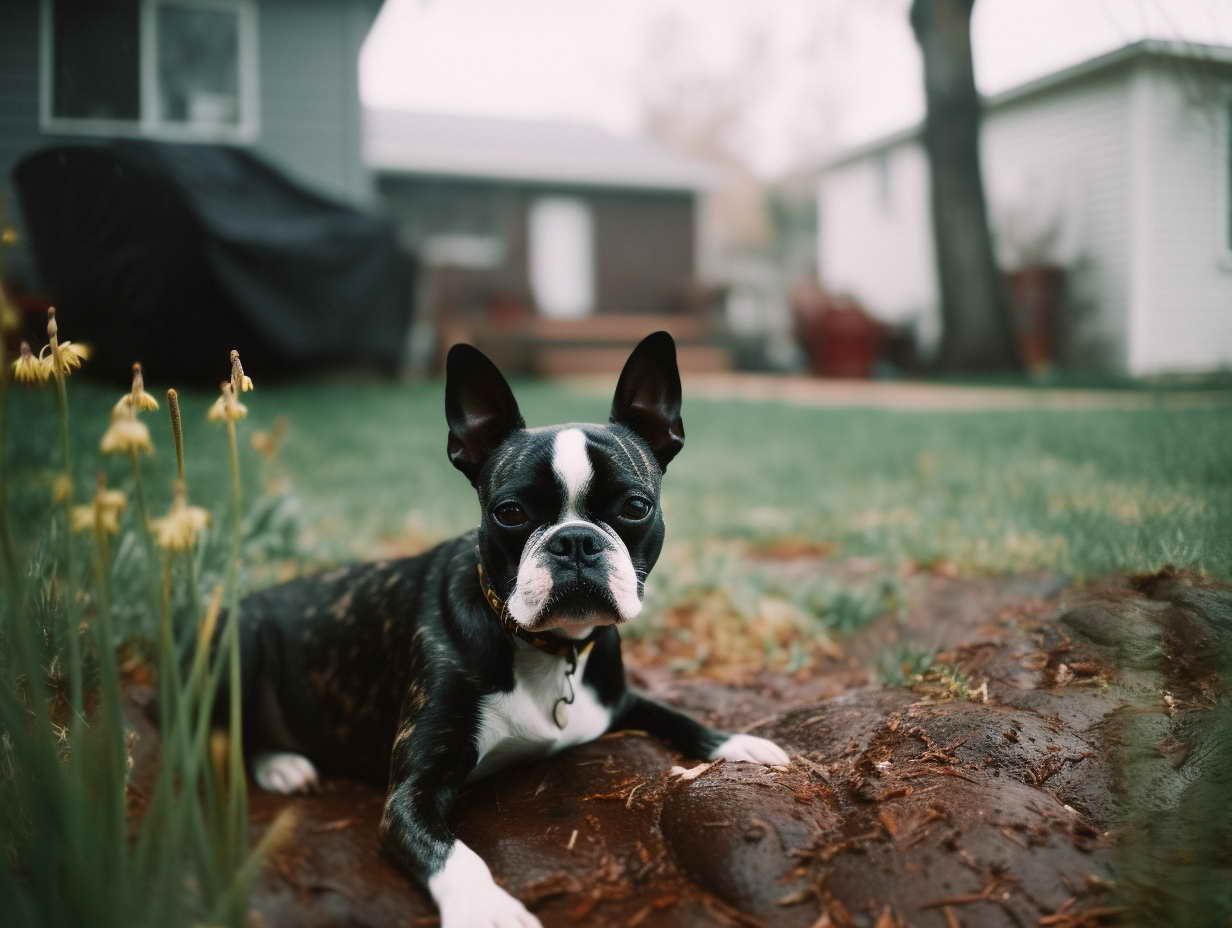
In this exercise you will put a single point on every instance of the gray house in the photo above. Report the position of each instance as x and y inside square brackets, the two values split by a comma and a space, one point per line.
[277, 76]
[551, 244]
[559, 244]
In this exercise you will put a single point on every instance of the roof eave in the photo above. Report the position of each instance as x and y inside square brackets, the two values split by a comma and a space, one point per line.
[1217, 54]
[578, 179]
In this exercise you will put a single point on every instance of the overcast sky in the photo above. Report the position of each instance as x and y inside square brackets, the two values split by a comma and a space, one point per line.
[853, 61]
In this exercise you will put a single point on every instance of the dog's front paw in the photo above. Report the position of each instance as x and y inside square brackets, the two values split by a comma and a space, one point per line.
[752, 749]
[468, 897]
[284, 772]
[486, 905]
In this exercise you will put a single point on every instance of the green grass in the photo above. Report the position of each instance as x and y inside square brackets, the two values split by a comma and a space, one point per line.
[1081, 492]
[363, 471]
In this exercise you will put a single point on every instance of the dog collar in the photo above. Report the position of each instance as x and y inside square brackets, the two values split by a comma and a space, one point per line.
[547, 642]
[571, 649]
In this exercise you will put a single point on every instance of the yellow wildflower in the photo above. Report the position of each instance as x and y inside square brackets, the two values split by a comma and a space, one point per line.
[240, 381]
[29, 369]
[266, 443]
[61, 488]
[179, 528]
[71, 355]
[83, 518]
[57, 354]
[136, 399]
[8, 235]
[126, 433]
[102, 514]
[227, 408]
[111, 499]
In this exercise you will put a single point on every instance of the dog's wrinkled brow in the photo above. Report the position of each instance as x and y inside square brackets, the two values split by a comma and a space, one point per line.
[637, 468]
[511, 460]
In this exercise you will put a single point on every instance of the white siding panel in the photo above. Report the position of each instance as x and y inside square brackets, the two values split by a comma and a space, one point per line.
[874, 238]
[1186, 320]
[1063, 157]
[1057, 159]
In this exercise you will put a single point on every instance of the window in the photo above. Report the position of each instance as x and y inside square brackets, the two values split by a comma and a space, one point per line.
[179, 69]
[95, 73]
[562, 274]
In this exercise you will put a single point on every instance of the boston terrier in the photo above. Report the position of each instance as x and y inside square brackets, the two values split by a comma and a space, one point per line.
[499, 645]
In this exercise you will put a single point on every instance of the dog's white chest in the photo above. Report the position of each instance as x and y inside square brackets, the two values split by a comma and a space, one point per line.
[521, 724]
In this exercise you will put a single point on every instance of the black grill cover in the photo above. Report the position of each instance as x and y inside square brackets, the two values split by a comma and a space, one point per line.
[174, 254]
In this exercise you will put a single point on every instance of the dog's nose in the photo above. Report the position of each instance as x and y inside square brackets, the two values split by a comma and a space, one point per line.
[576, 546]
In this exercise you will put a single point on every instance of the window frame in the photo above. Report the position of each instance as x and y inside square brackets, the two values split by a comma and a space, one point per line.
[148, 125]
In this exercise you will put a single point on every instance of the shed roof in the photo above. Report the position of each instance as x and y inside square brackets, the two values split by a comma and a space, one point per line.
[1192, 51]
[544, 151]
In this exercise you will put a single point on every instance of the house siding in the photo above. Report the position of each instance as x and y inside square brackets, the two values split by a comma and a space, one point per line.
[311, 118]
[308, 85]
[1066, 153]
[1184, 320]
[644, 241]
[644, 250]
[874, 241]
[1062, 151]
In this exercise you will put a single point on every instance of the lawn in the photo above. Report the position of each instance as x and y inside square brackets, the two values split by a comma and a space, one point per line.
[1077, 492]
[913, 497]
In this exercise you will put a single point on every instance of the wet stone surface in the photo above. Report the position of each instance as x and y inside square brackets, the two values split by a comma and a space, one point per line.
[1008, 802]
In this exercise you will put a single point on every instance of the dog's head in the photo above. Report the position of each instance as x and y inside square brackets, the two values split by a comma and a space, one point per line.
[571, 523]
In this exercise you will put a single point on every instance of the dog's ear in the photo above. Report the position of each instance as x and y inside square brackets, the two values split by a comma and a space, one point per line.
[479, 407]
[648, 396]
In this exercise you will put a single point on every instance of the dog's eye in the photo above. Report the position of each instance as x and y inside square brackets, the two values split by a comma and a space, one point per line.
[510, 515]
[636, 508]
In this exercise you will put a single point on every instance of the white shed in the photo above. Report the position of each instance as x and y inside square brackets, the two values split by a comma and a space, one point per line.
[1118, 168]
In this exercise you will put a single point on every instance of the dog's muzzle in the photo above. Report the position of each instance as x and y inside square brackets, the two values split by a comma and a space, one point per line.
[575, 569]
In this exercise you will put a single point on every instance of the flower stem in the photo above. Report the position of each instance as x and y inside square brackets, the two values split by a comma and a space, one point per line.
[194, 581]
[168, 676]
[138, 493]
[237, 795]
[115, 773]
[237, 491]
[177, 430]
[102, 570]
[15, 578]
[69, 591]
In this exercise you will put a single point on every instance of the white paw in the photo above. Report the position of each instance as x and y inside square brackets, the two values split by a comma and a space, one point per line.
[468, 897]
[284, 772]
[752, 749]
[486, 907]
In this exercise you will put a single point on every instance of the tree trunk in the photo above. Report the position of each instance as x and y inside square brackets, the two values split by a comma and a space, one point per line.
[977, 331]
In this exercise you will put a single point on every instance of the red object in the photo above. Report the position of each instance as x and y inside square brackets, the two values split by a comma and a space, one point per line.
[839, 337]
[1035, 294]
[850, 340]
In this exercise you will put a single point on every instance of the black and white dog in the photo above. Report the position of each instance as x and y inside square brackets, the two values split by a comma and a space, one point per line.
[498, 645]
